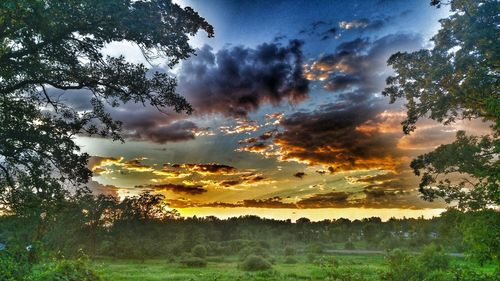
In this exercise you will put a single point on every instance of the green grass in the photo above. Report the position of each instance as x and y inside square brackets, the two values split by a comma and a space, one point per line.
[227, 269]
[348, 267]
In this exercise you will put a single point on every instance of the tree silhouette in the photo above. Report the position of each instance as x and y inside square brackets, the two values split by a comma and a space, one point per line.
[456, 79]
[55, 44]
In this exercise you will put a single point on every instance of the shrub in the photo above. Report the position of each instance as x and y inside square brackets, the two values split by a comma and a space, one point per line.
[433, 258]
[466, 273]
[316, 248]
[67, 270]
[13, 266]
[438, 275]
[311, 257]
[349, 245]
[290, 260]
[257, 251]
[289, 251]
[237, 245]
[327, 261]
[106, 247]
[348, 274]
[194, 262]
[199, 251]
[402, 266]
[255, 263]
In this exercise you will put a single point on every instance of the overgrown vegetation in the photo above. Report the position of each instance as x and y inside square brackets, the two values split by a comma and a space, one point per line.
[138, 228]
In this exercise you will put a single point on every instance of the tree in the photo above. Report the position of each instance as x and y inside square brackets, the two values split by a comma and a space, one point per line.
[482, 235]
[57, 44]
[457, 79]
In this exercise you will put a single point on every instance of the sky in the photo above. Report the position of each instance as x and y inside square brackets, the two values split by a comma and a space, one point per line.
[289, 118]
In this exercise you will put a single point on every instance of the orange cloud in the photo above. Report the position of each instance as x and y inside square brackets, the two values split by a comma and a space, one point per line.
[242, 126]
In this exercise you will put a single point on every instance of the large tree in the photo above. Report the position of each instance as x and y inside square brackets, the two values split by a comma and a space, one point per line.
[57, 44]
[456, 79]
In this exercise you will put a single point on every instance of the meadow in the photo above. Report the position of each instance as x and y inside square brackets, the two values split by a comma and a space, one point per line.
[129, 242]
[226, 268]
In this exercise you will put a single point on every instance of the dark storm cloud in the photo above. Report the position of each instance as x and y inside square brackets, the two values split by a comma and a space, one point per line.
[349, 133]
[139, 122]
[146, 123]
[248, 179]
[332, 199]
[237, 80]
[176, 188]
[360, 63]
[177, 131]
[257, 147]
[330, 136]
[233, 81]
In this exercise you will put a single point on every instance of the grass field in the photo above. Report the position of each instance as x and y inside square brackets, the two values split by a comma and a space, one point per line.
[325, 267]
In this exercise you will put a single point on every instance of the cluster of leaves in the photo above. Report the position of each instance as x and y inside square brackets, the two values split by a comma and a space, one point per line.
[431, 264]
[54, 45]
[457, 79]
[473, 157]
[255, 263]
[63, 269]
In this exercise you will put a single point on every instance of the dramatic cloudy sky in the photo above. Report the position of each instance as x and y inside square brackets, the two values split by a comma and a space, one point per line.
[289, 119]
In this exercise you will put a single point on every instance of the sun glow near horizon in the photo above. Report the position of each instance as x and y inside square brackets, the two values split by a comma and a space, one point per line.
[312, 214]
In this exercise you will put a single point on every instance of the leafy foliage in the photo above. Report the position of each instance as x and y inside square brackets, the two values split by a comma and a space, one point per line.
[405, 266]
[67, 270]
[482, 235]
[255, 263]
[457, 79]
[199, 251]
[49, 45]
[191, 261]
[474, 157]
[11, 268]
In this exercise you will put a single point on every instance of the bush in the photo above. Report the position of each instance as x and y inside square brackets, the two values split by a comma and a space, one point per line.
[255, 263]
[194, 262]
[433, 258]
[257, 251]
[199, 251]
[316, 248]
[10, 269]
[344, 273]
[439, 276]
[327, 261]
[13, 266]
[290, 260]
[289, 251]
[466, 273]
[402, 266]
[311, 257]
[237, 245]
[349, 245]
[64, 270]
[106, 247]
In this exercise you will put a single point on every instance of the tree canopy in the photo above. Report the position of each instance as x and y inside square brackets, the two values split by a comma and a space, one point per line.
[457, 79]
[57, 44]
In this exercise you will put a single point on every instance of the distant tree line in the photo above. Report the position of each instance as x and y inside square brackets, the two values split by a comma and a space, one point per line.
[142, 227]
